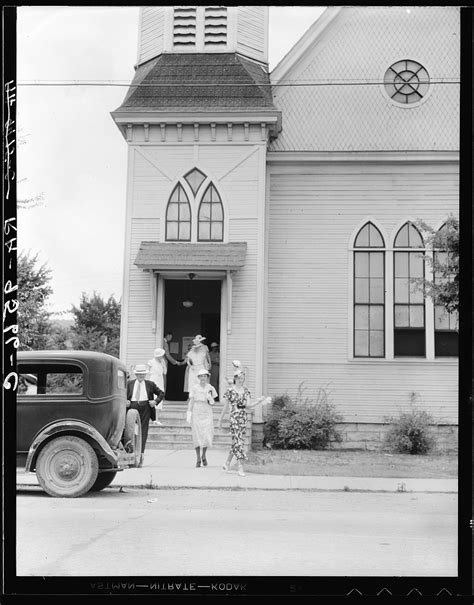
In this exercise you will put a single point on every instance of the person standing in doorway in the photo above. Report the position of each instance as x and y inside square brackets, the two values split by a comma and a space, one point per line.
[197, 359]
[186, 371]
[141, 396]
[239, 399]
[157, 368]
[215, 360]
[201, 399]
[168, 357]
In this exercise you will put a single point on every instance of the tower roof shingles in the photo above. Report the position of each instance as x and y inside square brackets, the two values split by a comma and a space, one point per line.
[199, 82]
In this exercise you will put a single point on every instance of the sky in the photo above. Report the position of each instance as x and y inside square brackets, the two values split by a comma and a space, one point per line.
[72, 153]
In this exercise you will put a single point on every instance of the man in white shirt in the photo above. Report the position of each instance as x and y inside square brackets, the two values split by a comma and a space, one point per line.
[140, 396]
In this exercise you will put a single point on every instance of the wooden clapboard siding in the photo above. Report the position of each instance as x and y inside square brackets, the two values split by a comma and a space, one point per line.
[152, 23]
[312, 215]
[241, 341]
[225, 161]
[140, 338]
[170, 161]
[370, 392]
[252, 32]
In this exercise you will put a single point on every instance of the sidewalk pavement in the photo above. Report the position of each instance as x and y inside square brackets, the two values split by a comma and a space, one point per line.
[176, 469]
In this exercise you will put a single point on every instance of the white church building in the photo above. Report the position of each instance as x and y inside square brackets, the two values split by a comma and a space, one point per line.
[283, 208]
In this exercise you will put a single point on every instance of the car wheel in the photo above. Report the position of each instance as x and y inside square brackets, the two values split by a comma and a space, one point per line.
[103, 480]
[132, 434]
[67, 467]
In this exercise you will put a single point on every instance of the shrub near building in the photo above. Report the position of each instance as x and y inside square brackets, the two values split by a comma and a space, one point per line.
[302, 423]
[411, 433]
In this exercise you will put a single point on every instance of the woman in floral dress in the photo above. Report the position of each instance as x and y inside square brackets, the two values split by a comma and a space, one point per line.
[200, 414]
[239, 399]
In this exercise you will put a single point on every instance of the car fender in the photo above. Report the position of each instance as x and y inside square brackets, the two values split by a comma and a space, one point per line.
[69, 427]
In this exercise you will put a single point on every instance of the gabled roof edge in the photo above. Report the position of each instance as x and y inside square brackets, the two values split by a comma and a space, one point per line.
[308, 39]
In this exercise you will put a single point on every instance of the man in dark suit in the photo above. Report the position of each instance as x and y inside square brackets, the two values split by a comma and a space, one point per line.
[140, 396]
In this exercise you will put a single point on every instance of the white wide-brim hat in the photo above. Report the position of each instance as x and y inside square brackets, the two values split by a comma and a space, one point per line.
[198, 339]
[140, 369]
[203, 373]
[30, 378]
[159, 352]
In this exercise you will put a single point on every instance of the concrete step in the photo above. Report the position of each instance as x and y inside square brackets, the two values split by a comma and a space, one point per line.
[180, 445]
[181, 420]
[178, 435]
[184, 404]
[173, 440]
[176, 432]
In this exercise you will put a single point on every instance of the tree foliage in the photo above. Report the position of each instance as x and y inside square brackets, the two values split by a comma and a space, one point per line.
[97, 324]
[444, 262]
[59, 337]
[33, 291]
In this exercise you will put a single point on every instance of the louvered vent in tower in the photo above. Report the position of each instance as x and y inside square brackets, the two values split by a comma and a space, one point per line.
[215, 25]
[184, 27]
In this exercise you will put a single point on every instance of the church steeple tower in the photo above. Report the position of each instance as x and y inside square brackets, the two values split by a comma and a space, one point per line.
[203, 29]
[201, 65]
[200, 106]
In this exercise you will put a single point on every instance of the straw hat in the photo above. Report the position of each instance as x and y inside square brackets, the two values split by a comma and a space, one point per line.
[159, 352]
[214, 344]
[30, 378]
[238, 369]
[203, 372]
[141, 369]
[198, 339]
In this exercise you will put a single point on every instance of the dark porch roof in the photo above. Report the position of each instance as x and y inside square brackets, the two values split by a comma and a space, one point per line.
[157, 256]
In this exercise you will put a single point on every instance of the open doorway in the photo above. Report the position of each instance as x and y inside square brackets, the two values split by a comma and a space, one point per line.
[184, 322]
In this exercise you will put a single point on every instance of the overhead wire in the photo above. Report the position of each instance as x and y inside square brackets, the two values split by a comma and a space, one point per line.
[312, 83]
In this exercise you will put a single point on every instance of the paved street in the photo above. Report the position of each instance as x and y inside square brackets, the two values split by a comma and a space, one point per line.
[201, 532]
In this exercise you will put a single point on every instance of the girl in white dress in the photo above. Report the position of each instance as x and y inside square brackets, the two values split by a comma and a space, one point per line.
[200, 414]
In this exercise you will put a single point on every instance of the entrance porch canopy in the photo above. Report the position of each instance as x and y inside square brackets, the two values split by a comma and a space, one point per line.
[184, 256]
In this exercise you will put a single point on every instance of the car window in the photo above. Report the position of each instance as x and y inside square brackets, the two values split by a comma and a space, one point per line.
[45, 379]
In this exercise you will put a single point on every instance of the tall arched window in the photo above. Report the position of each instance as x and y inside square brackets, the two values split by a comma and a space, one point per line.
[409, 299]
[369, 293]
[445, 324]
[211, 217]
[178, 216]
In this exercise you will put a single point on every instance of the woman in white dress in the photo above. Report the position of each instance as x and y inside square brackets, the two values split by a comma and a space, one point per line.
[157, 368]
[197, 359]
[200, 415]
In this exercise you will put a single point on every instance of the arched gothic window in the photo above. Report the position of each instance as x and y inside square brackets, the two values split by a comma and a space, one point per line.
[183, 207]
[178, 216]
[211, 217]
[369, 293]
[409, 299]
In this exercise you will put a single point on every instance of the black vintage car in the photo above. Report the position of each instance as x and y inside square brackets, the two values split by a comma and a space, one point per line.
[73, 428]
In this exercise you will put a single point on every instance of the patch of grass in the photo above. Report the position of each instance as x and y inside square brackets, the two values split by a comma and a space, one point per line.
[331, 463]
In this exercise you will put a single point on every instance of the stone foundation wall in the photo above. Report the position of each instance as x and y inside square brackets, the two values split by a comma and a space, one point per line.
[257, 435]
[363, 436]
